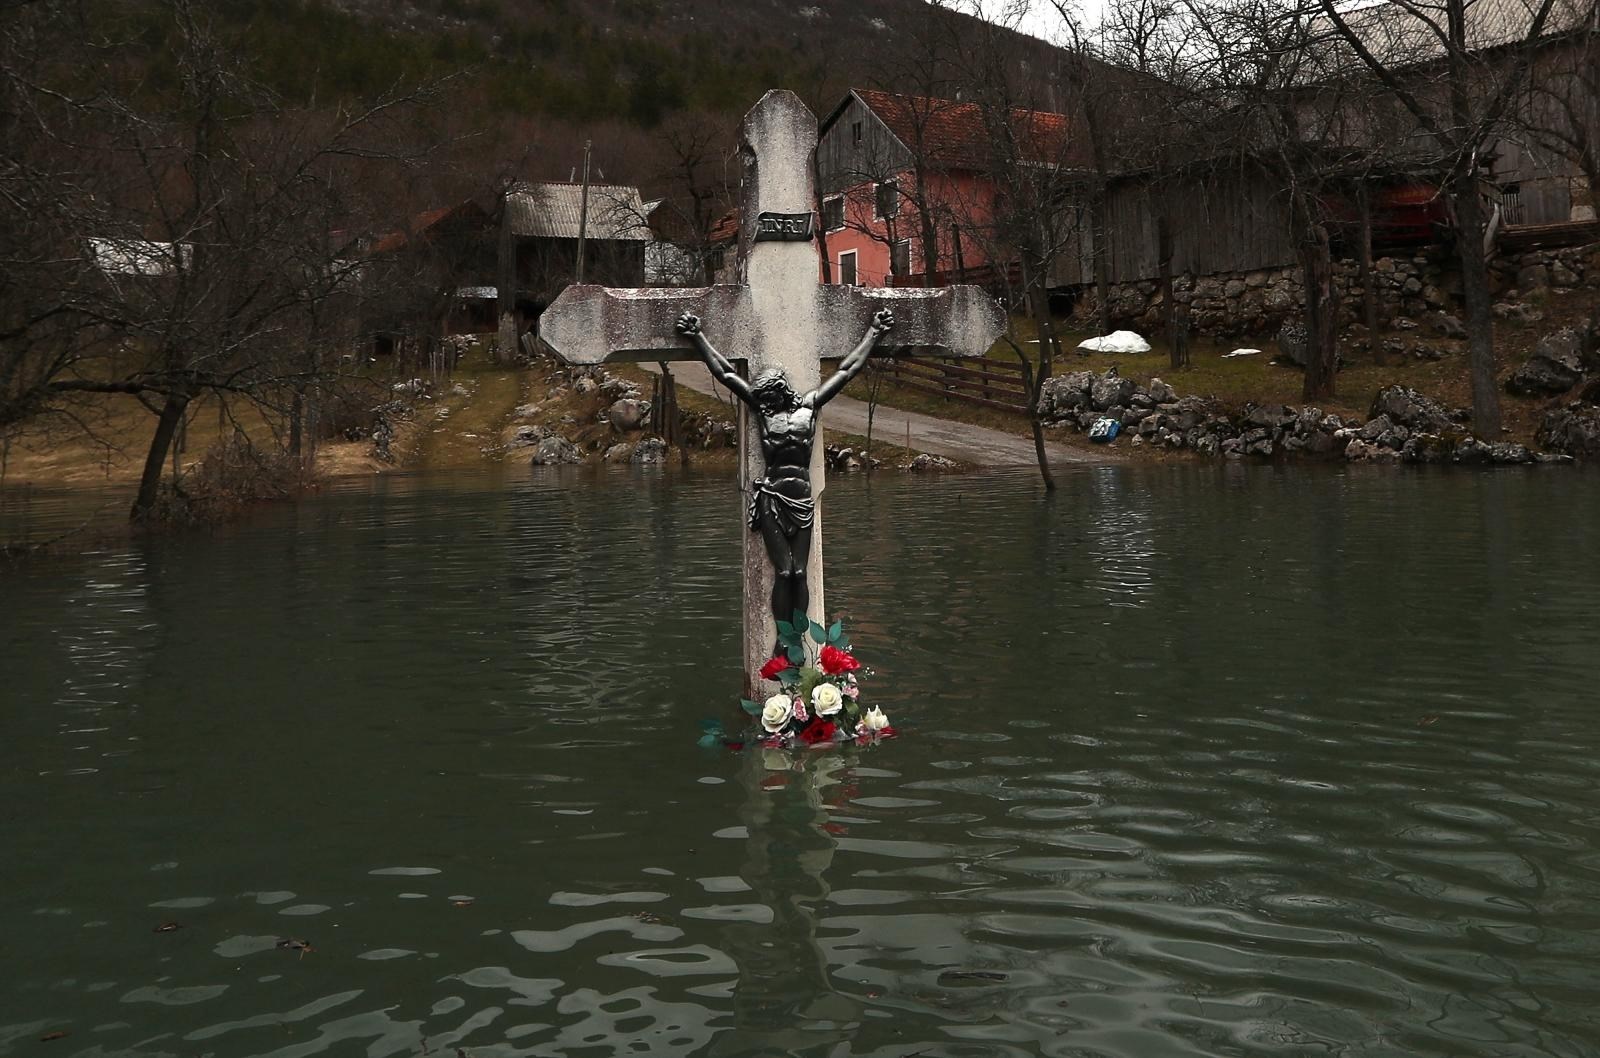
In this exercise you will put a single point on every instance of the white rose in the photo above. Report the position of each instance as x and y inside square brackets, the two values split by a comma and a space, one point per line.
[826, 699]
[776, 712]
[874, 719]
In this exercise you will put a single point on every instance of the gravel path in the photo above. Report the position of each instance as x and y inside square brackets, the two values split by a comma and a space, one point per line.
[977, 445]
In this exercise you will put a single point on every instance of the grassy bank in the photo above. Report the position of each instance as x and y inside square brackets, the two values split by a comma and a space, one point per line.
[1236, 381]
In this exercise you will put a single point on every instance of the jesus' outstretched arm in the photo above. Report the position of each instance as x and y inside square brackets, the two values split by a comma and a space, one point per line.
[882, 323]
[722, 368]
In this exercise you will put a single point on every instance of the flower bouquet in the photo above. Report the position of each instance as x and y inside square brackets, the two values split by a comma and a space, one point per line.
[820, 701]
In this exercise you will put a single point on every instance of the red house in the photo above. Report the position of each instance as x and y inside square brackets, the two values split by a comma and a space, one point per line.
[908, 196]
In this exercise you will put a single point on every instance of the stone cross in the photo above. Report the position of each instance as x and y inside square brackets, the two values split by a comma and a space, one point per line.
[778, 314]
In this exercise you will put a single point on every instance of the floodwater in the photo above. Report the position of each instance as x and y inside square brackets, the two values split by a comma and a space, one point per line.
[1196, 760]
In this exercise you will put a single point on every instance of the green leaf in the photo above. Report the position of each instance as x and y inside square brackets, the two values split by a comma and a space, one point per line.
[785, 628]
[819, 633]
[750, 707]
[843, 644]
[800, 620]
[708, 741]
[797, 654]
[835, 630]
[789, 677]
[712, 725]
[852, 708]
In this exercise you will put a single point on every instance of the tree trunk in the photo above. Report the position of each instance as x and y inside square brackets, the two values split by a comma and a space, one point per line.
[296, 421]
[1475, 295]
[1102, 267]
[1369, 291]
[160, 444]
[822, 225]
[506, 288]
[874, 381]
[1322, 316]
[930, 234]
[1039, 302]
[666, 410]
[1168, 303]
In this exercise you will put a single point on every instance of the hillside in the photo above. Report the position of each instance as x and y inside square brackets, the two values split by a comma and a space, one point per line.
[634, 61]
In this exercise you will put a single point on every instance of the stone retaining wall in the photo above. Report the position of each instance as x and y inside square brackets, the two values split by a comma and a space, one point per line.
[1258, 302]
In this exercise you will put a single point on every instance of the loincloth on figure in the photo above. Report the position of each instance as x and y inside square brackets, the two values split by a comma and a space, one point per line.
[790, 514]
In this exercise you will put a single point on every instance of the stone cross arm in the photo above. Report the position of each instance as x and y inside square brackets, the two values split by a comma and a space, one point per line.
[594, 324]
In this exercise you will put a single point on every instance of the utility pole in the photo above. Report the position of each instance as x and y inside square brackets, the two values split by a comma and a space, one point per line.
[583, 212]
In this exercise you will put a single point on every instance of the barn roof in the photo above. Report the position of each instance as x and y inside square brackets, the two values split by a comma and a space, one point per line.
[1400, 35]
[954, 134]
[725, 229]
[425, 225]
[554, 211]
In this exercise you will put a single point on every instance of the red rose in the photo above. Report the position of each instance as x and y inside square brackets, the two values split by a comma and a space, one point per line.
[836, 661]
[818, 731]
[773, 667]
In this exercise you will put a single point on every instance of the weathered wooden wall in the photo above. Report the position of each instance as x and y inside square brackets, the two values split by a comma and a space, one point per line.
[1220, 223]
[842, 163]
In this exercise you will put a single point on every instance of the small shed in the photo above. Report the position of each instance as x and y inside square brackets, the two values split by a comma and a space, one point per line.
[542, 226]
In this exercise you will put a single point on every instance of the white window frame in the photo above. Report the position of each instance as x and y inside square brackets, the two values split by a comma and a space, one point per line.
[855, 266]
[910, 256]
[876, 215]
[843, 221]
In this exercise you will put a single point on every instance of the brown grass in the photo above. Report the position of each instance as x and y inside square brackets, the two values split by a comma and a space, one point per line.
[1235, 382]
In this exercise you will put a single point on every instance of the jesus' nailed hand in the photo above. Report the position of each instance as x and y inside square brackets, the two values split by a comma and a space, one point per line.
[782, 508]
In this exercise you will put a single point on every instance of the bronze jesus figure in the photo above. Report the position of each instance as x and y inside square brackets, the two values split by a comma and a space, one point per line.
[782, 508]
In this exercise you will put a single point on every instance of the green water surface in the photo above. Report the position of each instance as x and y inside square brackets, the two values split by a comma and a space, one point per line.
[1195, 761]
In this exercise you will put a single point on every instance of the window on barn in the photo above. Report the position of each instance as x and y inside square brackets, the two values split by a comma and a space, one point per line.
[900, 257]
[888, 200]
[833, 213]
[1511, 202]
[847, 268]
[855, 133]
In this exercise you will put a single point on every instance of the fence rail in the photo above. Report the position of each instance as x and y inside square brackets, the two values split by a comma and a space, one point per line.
[1519, 238]
[991, 385]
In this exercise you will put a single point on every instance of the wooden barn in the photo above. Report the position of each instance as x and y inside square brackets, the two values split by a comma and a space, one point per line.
[553, 234]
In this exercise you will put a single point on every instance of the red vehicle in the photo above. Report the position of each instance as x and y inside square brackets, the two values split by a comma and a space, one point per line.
[1404, 215]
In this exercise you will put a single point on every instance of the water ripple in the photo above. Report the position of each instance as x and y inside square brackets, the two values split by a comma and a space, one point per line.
[1199, 761]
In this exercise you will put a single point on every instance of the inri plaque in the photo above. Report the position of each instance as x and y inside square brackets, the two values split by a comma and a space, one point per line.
[784, 227]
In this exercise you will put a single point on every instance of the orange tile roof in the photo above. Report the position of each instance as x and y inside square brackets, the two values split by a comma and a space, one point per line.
[726, 229]
[419, 224]
[955, 134]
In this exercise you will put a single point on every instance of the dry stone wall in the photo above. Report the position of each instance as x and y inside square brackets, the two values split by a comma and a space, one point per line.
[1408, 287]
[1403, 426]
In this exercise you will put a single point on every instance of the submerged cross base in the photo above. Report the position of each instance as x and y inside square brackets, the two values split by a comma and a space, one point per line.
[780, 322]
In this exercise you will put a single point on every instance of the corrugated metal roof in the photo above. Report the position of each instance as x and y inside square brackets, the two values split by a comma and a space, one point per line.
[553, 210]
[1399, 35]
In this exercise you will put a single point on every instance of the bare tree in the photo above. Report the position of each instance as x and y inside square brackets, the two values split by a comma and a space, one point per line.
[189, 242]
[695, 187]
[1273, 109]
[1562, 109]
[1457, 67]
[1024, 211]
[1136, 98]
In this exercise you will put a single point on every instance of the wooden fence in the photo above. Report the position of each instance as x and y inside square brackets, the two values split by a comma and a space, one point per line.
[988, 383]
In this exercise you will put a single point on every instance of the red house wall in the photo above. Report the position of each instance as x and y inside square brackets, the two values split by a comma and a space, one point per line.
[961, 199]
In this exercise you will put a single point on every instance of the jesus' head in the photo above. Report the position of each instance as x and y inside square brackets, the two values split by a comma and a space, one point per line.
[773, 392]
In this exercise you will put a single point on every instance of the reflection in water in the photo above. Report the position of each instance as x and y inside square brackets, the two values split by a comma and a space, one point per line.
[1199, 761]
[784, 1002]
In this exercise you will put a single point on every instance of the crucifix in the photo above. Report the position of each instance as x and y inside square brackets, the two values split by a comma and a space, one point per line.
[780, 321]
